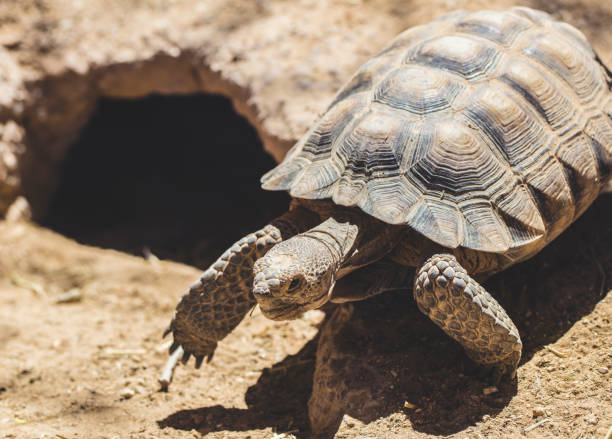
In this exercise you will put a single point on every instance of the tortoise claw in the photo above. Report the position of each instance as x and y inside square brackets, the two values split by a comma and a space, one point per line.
[175, 345]
[167, 331]
[185, 358]
[198, 362]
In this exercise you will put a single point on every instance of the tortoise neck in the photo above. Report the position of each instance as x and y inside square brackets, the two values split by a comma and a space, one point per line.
[294, 221]
[338, 235]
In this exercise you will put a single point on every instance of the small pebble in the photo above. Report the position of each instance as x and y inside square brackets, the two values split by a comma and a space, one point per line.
[591, 419]
[140, 389]
[72, 296]
[538, 411]
[489, 390]
[20, 210]
[127, 393]
[602, 369]
[348, 421]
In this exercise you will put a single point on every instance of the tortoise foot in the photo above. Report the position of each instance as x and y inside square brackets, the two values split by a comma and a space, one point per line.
[469, 314]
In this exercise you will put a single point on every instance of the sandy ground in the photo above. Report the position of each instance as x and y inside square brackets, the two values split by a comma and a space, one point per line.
[89, 368]
[279, 61]
[80, 327]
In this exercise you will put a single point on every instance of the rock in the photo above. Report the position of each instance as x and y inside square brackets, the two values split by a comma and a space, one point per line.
[72, 296]
[127, 393]
[279, 62]
[350, 422]
[19, 210]
[538, 411]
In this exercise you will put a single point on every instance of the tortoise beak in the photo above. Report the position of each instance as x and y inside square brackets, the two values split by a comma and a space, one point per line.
[261, 289]
[272, 306]
[264, 294]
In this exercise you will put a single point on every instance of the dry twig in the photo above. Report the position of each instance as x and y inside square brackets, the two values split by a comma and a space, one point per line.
[536, 425]
[28, 284]
[557, 352]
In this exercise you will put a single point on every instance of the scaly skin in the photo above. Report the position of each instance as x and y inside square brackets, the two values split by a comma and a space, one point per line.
[214, 305]
[291, 267]
[465, 311]
[298, 274]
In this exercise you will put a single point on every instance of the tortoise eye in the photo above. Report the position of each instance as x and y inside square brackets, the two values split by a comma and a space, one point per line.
[294, 284]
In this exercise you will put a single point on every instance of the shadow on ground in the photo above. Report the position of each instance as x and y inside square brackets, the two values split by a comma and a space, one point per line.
[386, 353]
[278, 400]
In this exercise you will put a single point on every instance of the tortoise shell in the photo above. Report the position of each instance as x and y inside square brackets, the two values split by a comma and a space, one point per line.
[486, 130]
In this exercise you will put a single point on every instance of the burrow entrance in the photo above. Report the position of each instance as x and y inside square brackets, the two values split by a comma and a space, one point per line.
[178, 175]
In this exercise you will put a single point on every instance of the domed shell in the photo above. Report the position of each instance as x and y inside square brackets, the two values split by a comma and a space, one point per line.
[486, 130]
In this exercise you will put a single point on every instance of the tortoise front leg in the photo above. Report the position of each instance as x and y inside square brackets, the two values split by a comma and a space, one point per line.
[465, 311]
[215, 304]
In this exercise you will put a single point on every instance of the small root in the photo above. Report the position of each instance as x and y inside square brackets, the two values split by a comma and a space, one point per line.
[558, 353]
[536, 425]
[166, 376]
[164, 346]
[36, 288]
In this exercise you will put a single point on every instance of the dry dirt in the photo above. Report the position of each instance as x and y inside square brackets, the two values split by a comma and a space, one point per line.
[85, 364]
[66, 366]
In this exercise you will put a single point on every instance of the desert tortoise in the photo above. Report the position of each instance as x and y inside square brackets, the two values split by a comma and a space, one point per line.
[464, 147]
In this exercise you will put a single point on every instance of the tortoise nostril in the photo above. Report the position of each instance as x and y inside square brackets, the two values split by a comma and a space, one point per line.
[261, 289]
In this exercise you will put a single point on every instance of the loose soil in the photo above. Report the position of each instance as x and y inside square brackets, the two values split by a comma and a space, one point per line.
[80, 323]
[89, 369]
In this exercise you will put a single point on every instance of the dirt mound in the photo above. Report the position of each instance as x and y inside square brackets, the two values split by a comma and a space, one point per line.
[80, 325]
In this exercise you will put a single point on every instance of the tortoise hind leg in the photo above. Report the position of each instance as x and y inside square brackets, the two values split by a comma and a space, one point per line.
[465, 311]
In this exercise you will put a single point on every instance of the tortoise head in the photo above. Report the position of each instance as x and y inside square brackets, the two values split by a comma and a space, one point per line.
[293, 277]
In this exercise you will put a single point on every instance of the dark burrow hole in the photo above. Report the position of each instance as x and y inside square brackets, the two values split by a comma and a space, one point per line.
[178, 175]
